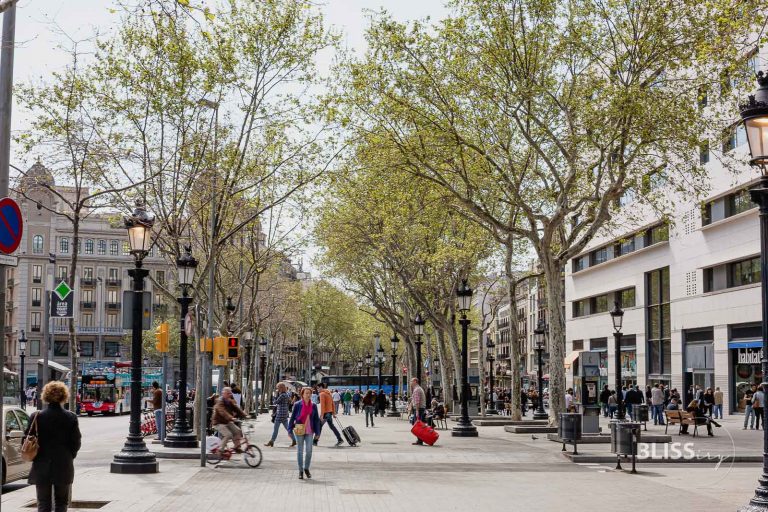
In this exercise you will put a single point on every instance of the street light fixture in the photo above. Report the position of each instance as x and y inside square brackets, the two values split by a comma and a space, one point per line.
[394, 341]
[134, 458]
[380, 361]
[263, 355]
[464, 427]
[489, 345]
[540, 334]
[22, 355]
[418, 329]
[182, 435]
[368, 360]
[617, 317]
[755, 116]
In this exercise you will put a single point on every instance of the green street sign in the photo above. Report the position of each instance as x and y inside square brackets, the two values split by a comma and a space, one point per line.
[62, 290]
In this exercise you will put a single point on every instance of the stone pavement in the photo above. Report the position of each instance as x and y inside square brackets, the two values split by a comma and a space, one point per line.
[496, 471]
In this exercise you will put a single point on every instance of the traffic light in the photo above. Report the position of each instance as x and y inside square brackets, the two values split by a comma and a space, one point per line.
[220, 351]
[206, 344]
[163, 338]
[233, 348]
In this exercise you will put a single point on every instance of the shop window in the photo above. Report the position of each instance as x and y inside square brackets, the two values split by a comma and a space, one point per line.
[111, 349]
[61, 348]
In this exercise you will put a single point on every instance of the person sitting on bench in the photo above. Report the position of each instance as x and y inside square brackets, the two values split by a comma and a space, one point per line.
[701, 418]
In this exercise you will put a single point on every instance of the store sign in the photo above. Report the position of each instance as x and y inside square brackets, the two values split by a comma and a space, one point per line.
[750, 356]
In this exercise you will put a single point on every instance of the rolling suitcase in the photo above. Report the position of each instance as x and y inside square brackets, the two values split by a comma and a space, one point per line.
[349, 433]
[425, 433]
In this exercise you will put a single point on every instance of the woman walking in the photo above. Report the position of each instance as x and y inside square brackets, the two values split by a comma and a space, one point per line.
[305, 421]
[369, 402]
[58, 437]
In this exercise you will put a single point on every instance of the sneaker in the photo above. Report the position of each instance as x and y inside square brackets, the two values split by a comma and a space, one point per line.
[306, 472]
[293, 443]
[339, 442]
[315, 441]
[301, 475]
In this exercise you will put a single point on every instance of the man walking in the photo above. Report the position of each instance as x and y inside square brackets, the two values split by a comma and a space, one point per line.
[157, 405]
[605, 394]
[758, 402]
[657, 402]
[282, 406]
[336, 401]
[418, 404]
[717, 410]
[347, 402]
[327, 413]
[749, 413]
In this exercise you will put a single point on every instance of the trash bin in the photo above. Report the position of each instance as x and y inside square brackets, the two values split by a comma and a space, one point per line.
[641, 413]
[569, 428]
[624, 439]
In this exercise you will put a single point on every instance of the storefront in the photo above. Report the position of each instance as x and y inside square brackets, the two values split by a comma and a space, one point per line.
[628, 360]
[744, 354]
[698, 360]
[600, 345]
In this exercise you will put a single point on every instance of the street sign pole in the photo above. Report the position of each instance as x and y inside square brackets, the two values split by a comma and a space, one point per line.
[161, 432]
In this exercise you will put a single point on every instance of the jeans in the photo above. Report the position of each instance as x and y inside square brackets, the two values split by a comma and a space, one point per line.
[612, 409]
[605, 409]
[305, 444]
[328, 419]
[749, 415]
[629, 410]
[160, 422]
[368, 409]
[336, 407]
[45, 501]
[347, 408]
[658, 413]
[356, 405]
[717, 411]
[276, 429]
[758, 417]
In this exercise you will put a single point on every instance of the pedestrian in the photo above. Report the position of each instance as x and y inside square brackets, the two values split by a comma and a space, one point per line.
[604, 395]
[157, 405]
[749, 413]
[758, 402]
[418, 405]
[356, 401]
[523, 402]
[327, 414]
[369, 403]
[346, 398]
[717, 410]
[336, 401]
[282, 404]
[381, 403]
[225, 413]
[611, 404]
[58, 438]
[304, 422]
[657, 404]
[569, 406]
[709, 401]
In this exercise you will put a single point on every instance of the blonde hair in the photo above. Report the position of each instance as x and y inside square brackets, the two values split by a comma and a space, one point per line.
[55, 392]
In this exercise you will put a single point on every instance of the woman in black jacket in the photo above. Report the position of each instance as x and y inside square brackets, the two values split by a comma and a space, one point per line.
[58, 437]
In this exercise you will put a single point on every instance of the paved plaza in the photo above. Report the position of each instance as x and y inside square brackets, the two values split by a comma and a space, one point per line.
[496, 471]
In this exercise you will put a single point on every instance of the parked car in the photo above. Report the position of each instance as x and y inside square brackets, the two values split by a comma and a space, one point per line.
[15, 423]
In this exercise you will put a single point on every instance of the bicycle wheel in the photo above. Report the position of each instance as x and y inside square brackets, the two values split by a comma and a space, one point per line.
[213, 458]
[252, 456]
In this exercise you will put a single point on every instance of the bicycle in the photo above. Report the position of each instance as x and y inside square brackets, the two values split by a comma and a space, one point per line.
[251, 454]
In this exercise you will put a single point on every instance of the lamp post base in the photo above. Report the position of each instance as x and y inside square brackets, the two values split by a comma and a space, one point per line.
[759, 502]
[464, 430]
[181, 439]
[134, 459]
[540, 415]
[393, 414]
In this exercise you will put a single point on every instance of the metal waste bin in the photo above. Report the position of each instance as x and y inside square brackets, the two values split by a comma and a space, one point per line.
[569, 429]
[640, 413]
[624, 439]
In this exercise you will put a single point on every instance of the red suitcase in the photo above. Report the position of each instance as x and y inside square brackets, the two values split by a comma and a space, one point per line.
[424, 432]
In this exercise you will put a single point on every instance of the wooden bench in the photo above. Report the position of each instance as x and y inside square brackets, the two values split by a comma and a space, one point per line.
[683, 418]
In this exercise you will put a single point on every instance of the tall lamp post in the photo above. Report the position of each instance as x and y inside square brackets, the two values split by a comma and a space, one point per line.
[617, 316]
[263, 371]
[490, 346]
[368, 360]
[134, 458]
[464, 427]
[182, 435]
[540, 332]
[754, 113]
[22, 355]
[359, 376]
[418, 329]
[380, 362]
[393, 410]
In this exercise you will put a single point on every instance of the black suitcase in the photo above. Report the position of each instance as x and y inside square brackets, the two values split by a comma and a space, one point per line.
[350, 434]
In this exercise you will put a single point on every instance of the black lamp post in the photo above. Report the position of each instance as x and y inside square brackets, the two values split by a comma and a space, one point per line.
[491, 359]
[182, 435]
[359, 376]
[263, 372]
[755, 116]
[617, 316]
[464, 427]
[134, 458]
[540, 332]
[368, 360]
[22, 355]
[380, 361]
[393, 410]
[418, 329]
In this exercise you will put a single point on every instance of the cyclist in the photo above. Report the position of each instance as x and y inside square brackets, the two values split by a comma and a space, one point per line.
[225, 412]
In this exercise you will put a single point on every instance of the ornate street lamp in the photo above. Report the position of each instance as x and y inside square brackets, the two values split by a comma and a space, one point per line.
[134, 458]
[755, 116]
[22, 355]
[464, 427]
[418, 329]
[263, 355]
[394, 341]
[540, 333]
[617, 317]
[380, 362]
[368, 360]
[182, 435]
[490, 346]
[359, 376]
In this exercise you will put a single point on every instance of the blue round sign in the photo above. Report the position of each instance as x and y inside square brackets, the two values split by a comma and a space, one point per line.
[11, 225]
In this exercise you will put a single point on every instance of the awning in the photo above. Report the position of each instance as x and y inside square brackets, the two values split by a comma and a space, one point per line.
[570, 358]
[53, 364]
[745, 344]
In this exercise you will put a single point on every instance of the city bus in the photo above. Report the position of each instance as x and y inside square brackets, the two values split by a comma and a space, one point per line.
[361, 382]
[105, 386]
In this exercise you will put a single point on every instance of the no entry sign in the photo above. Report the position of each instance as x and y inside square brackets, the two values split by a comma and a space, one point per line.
[11, 225]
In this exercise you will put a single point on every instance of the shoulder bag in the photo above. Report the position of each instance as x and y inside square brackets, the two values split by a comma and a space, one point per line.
[30, 447]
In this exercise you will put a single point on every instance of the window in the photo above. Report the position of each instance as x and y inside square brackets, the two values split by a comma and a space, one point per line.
[625, 246]
[34, 348]
[37, 244]
[626, 298]
[706, 214]
[704, 153]
[88, 246]
[738, 202]
[87, 295]
[598, 344]
[112, 296]
[11, 422]
[658, 318]
[86, 320]
[61, 348]
[62, 272]
[37, 294]
[578, 344]
[64, 245]
[101, 247]
[599, 304]
[114, 248]
[113, 274]
[37, 273]
[35, 321]
[709, 280]
[87, 272]
[744, 272]
[579, 263]
[160, 274]
[657, 234]
[734, 137]
[599, 255]
[126, 249]
[86, 349]
[580, 308]
[112, 320]
[111, 349]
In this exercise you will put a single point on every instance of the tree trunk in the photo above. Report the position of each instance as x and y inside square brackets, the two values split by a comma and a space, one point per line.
[481, 372]
[556, 323]
[514, 335]
[73, 347]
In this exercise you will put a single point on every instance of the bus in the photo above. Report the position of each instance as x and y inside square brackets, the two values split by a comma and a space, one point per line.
[363, 383]
[105, 386]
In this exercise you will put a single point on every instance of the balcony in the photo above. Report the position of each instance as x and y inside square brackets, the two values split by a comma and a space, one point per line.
[11, 282]
[88, 281]
[113, 305]
[114, 282]
[9, 305]
[37, 280]
[107, 331]
[36, 303]
[87, 305]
